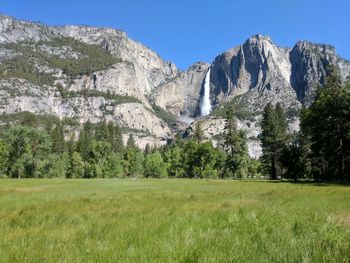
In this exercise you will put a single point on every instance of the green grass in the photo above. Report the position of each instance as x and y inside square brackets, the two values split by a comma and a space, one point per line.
[172, 221]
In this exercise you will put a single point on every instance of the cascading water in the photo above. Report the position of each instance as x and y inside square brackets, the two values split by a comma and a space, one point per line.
[205, 102]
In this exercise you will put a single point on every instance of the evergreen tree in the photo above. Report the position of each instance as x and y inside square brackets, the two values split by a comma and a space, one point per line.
[235, 144]
[326, 124]
[131, 142]
[174, 158]
[118, 145]
[76, 169]
[71, 145]
[57, 137]
[133, 162]
[155, 166]
[4, 156]
[198, 134]
[102, 132]
[114, 166]
[27, 148]
[273, 138]
[85, 140]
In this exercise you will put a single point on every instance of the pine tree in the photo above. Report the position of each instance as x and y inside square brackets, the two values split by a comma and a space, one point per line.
[131, 142]
[198, 134]
[76, 166]
[327, 125]
[154, 166]
[102, 132]
[273, 138]
[85, 141]
[119, 144]
[111, 134]
[147, 149]
[235, 144]
[57, 137]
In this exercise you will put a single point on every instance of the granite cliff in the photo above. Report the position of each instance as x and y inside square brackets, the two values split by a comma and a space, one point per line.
[86, 73]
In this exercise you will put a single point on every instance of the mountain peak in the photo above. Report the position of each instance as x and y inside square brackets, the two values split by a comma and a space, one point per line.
[259, 38]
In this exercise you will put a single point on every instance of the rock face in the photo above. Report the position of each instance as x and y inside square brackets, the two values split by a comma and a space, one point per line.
[55, 70]
[181, 95]
[264, 72]
[309, 68]
[149, 66]
[116, 93]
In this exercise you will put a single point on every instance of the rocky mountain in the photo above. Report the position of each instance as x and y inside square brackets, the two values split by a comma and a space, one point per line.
[181, 95]
[81, 73]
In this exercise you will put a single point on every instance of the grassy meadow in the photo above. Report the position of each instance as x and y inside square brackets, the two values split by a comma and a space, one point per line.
[172, 221]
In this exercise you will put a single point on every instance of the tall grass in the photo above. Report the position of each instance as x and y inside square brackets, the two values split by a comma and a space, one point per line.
[172, 221]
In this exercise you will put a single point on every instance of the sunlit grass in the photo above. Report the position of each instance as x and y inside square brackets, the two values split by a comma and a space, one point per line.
[172, 221]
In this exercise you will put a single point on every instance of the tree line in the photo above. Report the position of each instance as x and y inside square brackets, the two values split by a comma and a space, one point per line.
[98, 151]
[320, 151]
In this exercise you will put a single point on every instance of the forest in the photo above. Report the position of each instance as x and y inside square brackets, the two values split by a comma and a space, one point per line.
[320, 151]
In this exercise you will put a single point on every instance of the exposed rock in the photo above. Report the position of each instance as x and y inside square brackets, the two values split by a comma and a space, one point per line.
[31, 98]
[253, 74]
[309, 68]
[181, 95]
[120, 79]
[141, 140]
[269, 73]
[140, 72]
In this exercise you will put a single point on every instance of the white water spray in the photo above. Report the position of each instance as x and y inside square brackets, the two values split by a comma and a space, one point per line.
[205, 103]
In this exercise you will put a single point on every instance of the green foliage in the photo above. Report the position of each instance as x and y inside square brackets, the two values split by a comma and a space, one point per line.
[241, 110]
[155, 166]
[27, 149]
[326, 125]
[23, 67]
[58, 141]
[198, 134]
[76, 169]
[130, 144]
[93, 58]
[114, 166]
[26, 118]
[4, 156]
[164, 115]
[235, 144]
[42, 151]
[88, 93]
[133, 162]
[274, 139]
[174, 158]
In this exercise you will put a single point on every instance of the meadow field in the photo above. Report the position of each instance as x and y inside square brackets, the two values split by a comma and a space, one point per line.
[169, 220]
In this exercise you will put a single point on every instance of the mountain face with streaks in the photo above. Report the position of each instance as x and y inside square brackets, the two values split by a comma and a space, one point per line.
[81, 73]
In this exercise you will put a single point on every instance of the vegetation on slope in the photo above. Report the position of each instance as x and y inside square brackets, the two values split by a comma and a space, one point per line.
[241, 110]
[87, 93]
[26, 118]
[164, 115]
[30, 58]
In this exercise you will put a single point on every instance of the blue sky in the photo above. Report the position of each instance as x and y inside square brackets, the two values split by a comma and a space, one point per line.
[186, 31]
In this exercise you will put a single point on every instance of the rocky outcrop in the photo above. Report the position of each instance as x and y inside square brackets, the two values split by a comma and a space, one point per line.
[116, 93]
[125, 89]
[181, 95]
[120, 79]
[151, 69]
[309, 68]
[268, 73]
[256, 65]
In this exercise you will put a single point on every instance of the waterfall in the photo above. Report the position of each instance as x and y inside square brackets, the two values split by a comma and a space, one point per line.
[205, 102]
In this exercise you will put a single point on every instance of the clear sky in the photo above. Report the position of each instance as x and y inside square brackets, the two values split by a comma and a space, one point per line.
[186, 31]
